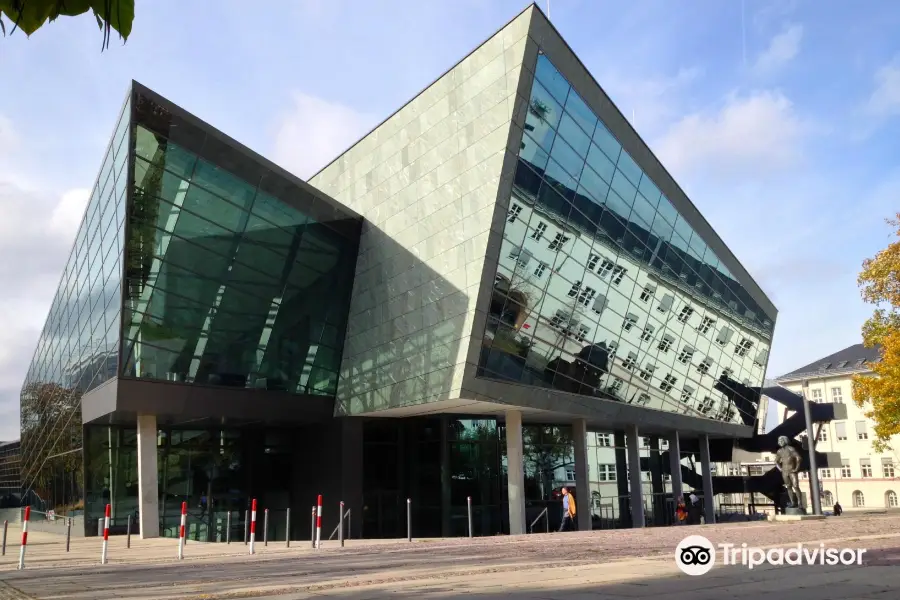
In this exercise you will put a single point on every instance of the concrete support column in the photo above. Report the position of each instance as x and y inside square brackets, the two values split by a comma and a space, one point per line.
[582, 481]
[658, 501]
[633, 447]
[675, 464]
[148, 485]
[515, 473]
[709, 503]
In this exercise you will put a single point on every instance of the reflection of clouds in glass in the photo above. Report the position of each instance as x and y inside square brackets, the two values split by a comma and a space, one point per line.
[624, 271]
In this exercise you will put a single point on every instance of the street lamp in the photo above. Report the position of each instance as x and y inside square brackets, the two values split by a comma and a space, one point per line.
[811, 448]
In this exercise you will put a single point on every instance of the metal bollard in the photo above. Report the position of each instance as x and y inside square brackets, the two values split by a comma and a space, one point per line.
[312, 528]
[469, 506]
[228, 528]
[68, 532]
[128, 533]
[408, 519]
[266, 527]
[287, 529]
[5, 528]
[341, 524]
[246, 526]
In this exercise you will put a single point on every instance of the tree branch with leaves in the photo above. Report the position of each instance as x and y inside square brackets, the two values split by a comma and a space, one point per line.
[878, 392]
[30, 15]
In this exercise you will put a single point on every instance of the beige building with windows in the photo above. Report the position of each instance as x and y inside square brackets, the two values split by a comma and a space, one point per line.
[868, 479]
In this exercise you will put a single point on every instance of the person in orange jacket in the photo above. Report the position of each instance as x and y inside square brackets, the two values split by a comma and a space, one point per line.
[568, 518]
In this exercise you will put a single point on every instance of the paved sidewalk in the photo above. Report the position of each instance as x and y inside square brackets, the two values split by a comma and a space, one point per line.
[601, 564]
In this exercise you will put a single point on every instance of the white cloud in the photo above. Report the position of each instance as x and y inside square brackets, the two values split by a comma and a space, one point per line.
[315, 131]
[67, 215]
[783, 48]
[885, 98]
[759, 132]
[652, 101]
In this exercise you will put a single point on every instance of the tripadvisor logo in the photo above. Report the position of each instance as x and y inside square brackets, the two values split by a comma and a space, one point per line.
[696, 555]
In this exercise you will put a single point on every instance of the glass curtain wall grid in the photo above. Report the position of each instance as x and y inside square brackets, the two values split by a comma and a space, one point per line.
[78, 346]
[603, 288]
[226, 283]
[10, 474]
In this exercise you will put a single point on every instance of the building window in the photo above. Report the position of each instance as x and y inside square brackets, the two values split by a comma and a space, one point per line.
[705, 365]
[630, 362]
[612, 346]
[647, 293]
[727, 372]
[539, 270]
[539, 231]
[665, 343]
[840, 431]
[586, 295]
[684, 357]
[604, 440]
[647, 372]
[865, 467]
[734, 471]
[846, 472]
[522, 257]
[663, 444]
[593, 259]
[665, 305]
[859, 501]
[606, 472]
[685, 314]
[629, 322]
[573, 291]
[743, 347]
[823, 433]
[824, 473]
[582, 334]
[724, 336]
[616, 385]
[887, 468]
[861, 432]
[705, 324]
[761, 356]
[706, 405]
[816, 395]
[599, 304]
[558, 242]
[755, 470]
[687, 394]
[643, 398]
[647, 334]
[618, 273]
[570, 474]
[836, 395]
[514, 211]
[668, 383]
[605, 267]
[890, 499]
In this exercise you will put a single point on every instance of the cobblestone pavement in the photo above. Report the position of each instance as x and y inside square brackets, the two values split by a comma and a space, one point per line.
[148, 570]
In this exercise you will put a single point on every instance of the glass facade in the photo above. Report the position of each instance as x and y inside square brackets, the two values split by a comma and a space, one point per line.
[224, 277]
[78, 347]
[10, 474]
[603, 288]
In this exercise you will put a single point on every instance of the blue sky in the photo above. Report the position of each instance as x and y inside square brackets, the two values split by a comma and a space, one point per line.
[779, 118]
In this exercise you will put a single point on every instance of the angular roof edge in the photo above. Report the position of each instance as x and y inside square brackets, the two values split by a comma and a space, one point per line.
[850, 360]
[531, 6]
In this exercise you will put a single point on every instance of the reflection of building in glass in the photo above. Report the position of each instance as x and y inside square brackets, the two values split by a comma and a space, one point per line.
[10, 474]
[497, 292]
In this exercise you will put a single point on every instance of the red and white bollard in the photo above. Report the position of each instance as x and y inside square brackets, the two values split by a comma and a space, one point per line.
[24, 537]
[252, 524]
[181, 530]
[104, 553]
[319, 522]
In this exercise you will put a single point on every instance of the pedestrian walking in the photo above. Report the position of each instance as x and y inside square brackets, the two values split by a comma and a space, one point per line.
[568, 516]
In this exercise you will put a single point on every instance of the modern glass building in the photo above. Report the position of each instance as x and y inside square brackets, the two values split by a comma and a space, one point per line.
[496, 292]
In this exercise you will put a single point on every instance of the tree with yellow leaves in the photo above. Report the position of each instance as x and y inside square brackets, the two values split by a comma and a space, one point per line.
[879, 392]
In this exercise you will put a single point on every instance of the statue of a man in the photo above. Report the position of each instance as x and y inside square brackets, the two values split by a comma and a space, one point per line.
[787, 459]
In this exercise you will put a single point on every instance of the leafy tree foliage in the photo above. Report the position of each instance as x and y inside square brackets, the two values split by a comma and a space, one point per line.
[879, 392]
[31, 15]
